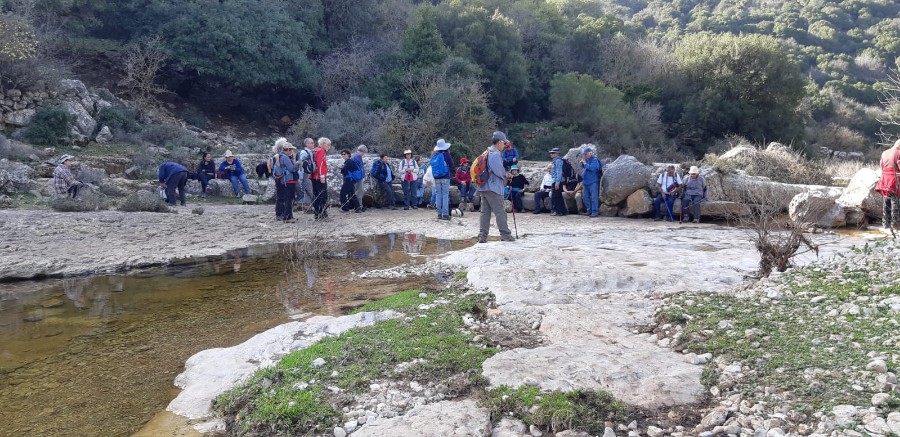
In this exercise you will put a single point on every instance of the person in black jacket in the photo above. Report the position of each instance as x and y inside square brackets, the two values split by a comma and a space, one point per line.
[348, 189]
[206, 171]
[517, 183]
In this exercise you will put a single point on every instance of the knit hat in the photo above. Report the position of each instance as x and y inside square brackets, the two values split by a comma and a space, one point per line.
[498, 136]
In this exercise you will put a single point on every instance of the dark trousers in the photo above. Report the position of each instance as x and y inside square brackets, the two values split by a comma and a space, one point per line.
[539, 201]
[558, 204]
[177, 180]
[279, 200]
[516, 198]
[204, 179]
[669, 201]
[348, 196]
[288, 192]
[388, 190]
[73, 190]
[891, 212]
[409, 193]
[320, 198]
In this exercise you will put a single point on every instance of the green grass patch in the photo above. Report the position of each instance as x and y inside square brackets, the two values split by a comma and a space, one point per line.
[582, 410]
[796, 344]
[294, 397]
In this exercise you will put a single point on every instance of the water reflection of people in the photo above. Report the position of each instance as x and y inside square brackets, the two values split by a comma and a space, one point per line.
[85, 296]
[312, 269]
[393, 238]
[74, 289]
[412, 244]
[444, 245]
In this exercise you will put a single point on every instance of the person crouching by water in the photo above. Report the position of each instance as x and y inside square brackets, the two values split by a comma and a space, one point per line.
[64, 183]
[350, 172]
[694, 193]
[286, 174]
[172, 176]
[492, 192]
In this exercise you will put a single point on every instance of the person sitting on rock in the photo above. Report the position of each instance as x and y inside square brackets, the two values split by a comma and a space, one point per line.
[544, 192]
[64, 182]
[172, 176]
[232, 169]
[517, 183]
[464, 181]
[384, 174]
[510, 156]
[694, 193]
[206, 171]
[574, 190]
[889, 187]
[668, 184]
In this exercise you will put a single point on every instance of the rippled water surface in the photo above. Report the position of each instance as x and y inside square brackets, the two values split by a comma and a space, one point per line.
[96, 356]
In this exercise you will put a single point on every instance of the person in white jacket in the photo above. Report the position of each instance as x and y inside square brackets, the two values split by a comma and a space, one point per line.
[544, 191]
[409, 171]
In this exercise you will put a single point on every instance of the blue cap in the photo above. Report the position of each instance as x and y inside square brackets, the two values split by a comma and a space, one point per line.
[498, 136]
[514, 167]
[554, 150]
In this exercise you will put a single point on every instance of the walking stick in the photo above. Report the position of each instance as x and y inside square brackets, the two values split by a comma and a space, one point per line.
[669, 210]
[516, 227]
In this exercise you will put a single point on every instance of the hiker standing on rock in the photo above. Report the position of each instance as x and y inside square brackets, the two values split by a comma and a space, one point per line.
[361, 152]
[889, 187]
[441, 165]
[384, 174]
[557, 203]
[271, 166]
[320, 179]
[350, 171]
[284, 169]
[694, 193]
[173, 175]
[409, 170]
[591, 172]
[64, 182]
[304, 186]
[492, 192]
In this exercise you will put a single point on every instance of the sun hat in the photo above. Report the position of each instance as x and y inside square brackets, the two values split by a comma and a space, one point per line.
[514, 167]
[463, 161]
[442, 145]
[694, 170]
[65, 158]
[407, 151]
[554, 150]
[498, 136]
[288, 146]
[228, 153]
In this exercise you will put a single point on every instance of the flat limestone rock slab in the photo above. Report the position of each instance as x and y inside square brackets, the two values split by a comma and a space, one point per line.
[440, 419]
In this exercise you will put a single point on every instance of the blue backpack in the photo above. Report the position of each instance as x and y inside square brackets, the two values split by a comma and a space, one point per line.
[356, 174]
[439, 167]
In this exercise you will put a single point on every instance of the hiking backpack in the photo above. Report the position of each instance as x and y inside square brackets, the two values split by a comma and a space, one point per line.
[308, 161]
[568, 173]
[277, 171]
[439, 167]
[356, 174]
[479, 172]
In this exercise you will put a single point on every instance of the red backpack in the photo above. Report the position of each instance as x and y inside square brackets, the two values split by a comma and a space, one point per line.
[480, 172]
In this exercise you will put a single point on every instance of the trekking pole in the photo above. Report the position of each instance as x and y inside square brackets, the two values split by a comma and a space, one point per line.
[516, 227]
[669, 210]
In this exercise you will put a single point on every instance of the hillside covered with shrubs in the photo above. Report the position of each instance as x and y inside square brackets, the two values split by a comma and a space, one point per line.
[629, 75]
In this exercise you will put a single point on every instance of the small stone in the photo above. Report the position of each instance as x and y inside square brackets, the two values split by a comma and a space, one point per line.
[608, 432]
[421, 295]
[351, 426]
[653, 431]
[339, 432]
[535, 431]
[775, 432]
[880, 399]
[818, 299]
[714, 418]
[318, 362]
[877, 366]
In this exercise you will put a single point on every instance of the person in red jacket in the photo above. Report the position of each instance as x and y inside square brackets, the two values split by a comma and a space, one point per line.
[889, 187]
[320, 179]
[464, 181]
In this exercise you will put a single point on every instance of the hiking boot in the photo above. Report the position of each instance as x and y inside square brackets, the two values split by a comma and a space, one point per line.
[696, 220]
[415, 207]
[444, 217]
[507, 238]
[203, 195]
[553, 214]
[406, 208]
[482, 239]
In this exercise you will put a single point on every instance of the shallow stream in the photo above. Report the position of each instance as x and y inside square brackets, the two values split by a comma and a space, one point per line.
[97, 356]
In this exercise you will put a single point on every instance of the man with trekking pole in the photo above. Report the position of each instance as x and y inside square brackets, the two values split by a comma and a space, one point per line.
[668, 184]
[492, 192]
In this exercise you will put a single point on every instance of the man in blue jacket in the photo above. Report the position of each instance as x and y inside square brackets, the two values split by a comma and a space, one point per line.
[384, 174]
[557, 203]
[510, 156]
[590, 179]
[492, 192]
[173, 175]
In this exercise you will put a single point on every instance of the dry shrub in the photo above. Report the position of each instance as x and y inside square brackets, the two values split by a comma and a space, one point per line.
[778, 165]
[144, 201]
[840, 138]
[14, 150]
[649, 154]
[87, 201]
[843, 168]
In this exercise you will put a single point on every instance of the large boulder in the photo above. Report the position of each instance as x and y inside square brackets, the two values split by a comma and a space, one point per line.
[814, 209]
[757, 190]
[19, 118]
[15, 177]
[739, 153]
[637, 204]
[622, 177]
[105, 135]
[724, 210]
[860, 193]
[85, 125]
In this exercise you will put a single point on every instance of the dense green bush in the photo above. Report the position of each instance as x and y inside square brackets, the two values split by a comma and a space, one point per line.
[49, 126]
[119, 119]
[582, 102]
